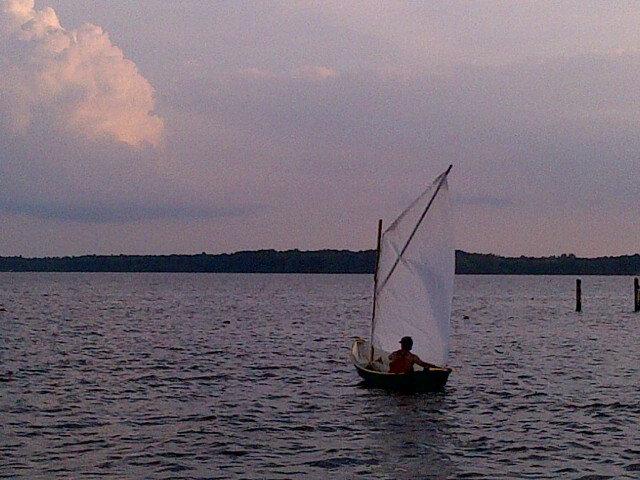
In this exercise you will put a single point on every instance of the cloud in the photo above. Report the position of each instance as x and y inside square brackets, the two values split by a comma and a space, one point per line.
[550, 133]
[85, 181]
[101, 211]
[73, 79]
[482, 201]
[78, 137]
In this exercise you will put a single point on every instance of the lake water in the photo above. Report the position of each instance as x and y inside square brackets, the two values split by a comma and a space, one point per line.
[129, 376]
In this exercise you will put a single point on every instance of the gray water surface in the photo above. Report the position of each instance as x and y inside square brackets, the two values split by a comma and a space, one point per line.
[247, 376]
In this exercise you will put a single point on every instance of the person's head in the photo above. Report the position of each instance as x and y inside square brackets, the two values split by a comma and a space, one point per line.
[406, 343]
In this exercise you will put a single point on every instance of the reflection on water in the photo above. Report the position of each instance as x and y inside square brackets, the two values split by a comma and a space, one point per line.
[247, 376]
[410, 434]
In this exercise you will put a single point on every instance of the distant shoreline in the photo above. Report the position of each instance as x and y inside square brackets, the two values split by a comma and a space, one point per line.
[318, 261]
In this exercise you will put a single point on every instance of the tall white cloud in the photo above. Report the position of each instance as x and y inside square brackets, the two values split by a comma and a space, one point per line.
[75, 80]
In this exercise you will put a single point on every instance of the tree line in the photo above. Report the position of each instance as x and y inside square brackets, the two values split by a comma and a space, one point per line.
[319, 261]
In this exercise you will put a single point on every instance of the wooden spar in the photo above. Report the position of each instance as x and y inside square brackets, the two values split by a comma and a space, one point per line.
[375, 286]
[415, 229]
[578, 295]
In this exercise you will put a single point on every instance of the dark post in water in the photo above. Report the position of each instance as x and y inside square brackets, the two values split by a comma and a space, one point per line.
[578, 295]
[636, 295]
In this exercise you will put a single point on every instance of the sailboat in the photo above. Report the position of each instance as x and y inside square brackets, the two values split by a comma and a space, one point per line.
[413, 290]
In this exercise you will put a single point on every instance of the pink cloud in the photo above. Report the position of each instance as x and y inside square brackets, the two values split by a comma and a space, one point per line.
[78, 78]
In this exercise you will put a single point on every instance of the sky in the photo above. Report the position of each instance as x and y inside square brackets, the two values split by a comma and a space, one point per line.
[164, 127]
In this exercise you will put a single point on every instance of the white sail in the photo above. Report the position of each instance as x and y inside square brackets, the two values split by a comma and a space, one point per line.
[415, 278]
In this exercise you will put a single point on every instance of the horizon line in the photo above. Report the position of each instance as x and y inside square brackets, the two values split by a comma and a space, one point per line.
[204, 253]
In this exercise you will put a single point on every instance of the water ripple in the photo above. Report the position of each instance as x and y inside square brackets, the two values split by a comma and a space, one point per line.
[246, 376]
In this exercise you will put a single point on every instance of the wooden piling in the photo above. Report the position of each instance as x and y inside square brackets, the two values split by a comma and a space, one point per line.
[578, 295]
[636, 295]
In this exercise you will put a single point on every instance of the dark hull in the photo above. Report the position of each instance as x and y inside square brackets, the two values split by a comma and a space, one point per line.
[429, 380]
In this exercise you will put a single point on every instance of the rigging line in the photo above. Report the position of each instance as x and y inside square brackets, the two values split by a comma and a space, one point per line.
[415, 229]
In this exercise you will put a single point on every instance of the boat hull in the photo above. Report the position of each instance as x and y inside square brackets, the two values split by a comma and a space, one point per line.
[427, 380]
[431, 380]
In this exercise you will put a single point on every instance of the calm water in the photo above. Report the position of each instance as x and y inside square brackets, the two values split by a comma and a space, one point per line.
[247, 376]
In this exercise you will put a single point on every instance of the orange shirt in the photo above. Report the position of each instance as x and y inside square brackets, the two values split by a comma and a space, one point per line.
[401, 361]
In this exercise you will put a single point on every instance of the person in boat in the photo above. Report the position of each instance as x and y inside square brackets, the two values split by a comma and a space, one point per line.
[402, 361]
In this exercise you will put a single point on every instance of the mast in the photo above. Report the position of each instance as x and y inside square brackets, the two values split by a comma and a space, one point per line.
[375, 287]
